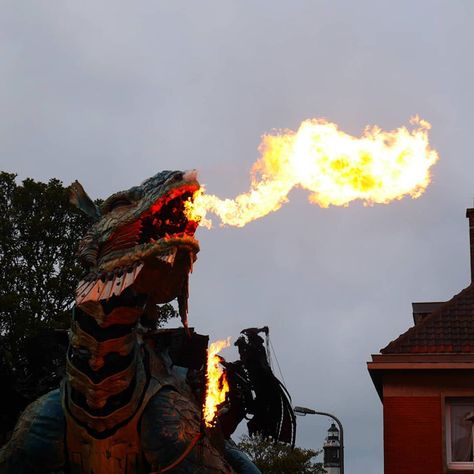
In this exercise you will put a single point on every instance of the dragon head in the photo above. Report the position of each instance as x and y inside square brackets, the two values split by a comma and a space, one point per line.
[141, 239]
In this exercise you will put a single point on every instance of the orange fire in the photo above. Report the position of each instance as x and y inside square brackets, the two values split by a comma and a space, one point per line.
[335, 167]
[217, 385]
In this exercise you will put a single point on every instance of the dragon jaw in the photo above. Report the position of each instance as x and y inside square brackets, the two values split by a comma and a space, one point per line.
[143, 239]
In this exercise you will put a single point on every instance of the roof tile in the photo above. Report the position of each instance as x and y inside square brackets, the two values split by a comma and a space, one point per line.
[449, 329]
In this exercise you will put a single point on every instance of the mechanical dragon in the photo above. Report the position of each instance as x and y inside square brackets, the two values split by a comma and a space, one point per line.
[132, 397]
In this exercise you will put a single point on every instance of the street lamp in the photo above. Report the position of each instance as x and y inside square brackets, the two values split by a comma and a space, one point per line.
[308, 411]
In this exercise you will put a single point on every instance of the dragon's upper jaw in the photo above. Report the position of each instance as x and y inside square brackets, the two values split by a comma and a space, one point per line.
[157, 233]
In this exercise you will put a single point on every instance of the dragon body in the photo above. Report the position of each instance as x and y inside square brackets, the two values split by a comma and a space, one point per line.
[123, 406]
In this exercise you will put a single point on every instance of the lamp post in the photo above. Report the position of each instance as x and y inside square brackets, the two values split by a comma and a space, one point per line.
[308, 411]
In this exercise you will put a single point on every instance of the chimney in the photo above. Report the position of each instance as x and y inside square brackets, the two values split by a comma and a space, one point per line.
[470, 216]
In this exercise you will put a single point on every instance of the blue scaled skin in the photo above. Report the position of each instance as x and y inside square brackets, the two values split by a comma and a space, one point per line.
[37, 445]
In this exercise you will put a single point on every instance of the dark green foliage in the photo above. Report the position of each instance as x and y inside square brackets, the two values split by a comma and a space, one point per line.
[39, 232]
[165, 313]
[278, 458]
[158, 315]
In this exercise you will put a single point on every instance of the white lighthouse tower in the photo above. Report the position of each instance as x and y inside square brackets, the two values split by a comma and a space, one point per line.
[332, 451]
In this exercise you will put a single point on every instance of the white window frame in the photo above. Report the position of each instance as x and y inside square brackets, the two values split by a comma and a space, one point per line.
[453, 465]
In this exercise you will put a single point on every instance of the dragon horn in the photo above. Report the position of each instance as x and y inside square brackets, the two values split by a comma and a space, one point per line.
[79, 198]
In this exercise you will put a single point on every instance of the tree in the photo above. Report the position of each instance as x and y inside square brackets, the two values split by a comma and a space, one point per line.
[273, 457]
[39, 232]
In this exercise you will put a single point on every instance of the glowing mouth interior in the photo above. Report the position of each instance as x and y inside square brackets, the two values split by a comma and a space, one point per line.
[168, 220]
[165, 219]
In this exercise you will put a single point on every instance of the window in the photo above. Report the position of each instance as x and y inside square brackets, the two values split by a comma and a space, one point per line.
[459, 433]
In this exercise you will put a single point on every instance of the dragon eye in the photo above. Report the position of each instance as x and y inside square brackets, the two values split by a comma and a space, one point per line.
[175, 177]
[119, 202]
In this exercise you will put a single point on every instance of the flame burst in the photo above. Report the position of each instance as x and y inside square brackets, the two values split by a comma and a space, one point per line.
[335, 167]
[217, 385]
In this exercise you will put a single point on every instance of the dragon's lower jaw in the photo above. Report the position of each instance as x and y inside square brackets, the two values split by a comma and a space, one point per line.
[158, 273]
[164, 250]
[161, 277]
[163, 281]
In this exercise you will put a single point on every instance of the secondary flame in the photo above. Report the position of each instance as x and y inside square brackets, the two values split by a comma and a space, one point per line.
[217, 385]
[335, 167]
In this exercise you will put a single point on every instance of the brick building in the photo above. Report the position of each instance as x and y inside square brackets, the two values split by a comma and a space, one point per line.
[425, 380]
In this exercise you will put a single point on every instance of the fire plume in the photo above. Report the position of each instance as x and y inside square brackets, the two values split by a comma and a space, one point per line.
[217, 385]
[335, 167]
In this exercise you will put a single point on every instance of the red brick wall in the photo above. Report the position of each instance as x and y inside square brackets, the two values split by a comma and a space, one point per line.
[412, 435]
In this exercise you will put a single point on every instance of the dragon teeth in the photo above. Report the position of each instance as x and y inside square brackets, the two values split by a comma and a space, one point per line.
[123, 281]
[101, 289]
[94, 292]
[97, 290]
[109, 288]
[126, 280]
[83, 291]
[136, 271]
[170, 257]
[81, 287]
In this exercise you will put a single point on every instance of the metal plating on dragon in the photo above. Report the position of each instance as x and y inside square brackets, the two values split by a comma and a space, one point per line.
[127, 404]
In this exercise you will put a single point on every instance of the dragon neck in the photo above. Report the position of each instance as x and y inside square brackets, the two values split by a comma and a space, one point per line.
[105, 373]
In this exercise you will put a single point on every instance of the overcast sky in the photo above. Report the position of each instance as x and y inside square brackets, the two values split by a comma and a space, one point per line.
[110, 92]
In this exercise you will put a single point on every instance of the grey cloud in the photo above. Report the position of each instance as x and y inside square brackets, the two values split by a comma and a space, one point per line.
[110, 92]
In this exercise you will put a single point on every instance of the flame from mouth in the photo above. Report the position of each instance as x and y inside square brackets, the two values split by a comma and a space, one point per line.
[335, 167]
[217, 385]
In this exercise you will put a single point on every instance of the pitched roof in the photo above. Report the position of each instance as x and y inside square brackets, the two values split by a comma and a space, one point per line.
[449, 329]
